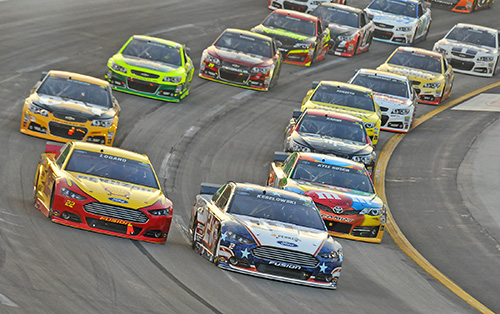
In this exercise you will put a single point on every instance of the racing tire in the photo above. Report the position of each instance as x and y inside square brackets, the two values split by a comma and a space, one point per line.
[427, 32]
[369, 42]
[35, 187]
[51, 204]
[216, 248]
[355, 52]
[495, 68]
[193, 235]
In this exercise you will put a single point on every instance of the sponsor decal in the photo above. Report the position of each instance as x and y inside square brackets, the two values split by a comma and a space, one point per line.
[337, 218]
[286, 243]
[284, 265]
[113, 220]
[56, 213]
[116, 191]
[117, 200]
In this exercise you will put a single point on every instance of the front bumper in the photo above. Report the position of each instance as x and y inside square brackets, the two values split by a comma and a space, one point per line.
[366, 229]
[396, 122]
[235, 77]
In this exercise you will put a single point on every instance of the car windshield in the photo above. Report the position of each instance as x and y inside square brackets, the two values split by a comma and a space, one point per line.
[292, 24]
[344, 177]
[337, 95]
[67, 88]
[276, 207]
[154, 51]
[245, 44]
[395, 7]
[337, 16]
[417, 61]
[343, 129]
[112, 167]
[473, 36]
[383, 85]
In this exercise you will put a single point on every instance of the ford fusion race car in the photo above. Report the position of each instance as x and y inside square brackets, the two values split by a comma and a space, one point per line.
[351, 30]
[330, 132]
[346, 98]
[430, 74]
[265, 232]
[341, 189]
[463, 6]
[102, 189]
[300, 5]
[65, 106]
[302, 38]
[242, 58]
[152, 67]
[471, 49]
[395, 96]
[403, 22]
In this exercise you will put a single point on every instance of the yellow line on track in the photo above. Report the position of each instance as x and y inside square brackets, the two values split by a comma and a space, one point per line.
[391, 226]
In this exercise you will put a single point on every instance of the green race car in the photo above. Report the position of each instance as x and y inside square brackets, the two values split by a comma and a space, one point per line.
[152, 67]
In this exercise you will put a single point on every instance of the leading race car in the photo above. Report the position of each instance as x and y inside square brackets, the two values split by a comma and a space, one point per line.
[302, 38]
[65, 106]
[403, 22]
[102, 189]
[430, 74]
[341, 189]
[265, 232]
[346, 98]
[471, 49]
[242, 58]
[330, 132]
[152, 67]
[395, 96]
[462, 6]
[351, 30]
[306, 6]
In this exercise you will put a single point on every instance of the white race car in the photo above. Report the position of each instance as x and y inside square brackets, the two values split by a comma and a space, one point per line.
[403, 22]
[306, 6]
[471, 49]
[395, 96]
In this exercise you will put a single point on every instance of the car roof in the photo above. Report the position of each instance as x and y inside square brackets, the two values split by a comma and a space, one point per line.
[385, 74]
[296, 14]
[159, 40]
[476, 27]
[78, 77]
[341, 6]
[115, 151]
[248, 33]
[347, 86]
[268, 189]
[420, 51]
[332, 114]
[330, 160]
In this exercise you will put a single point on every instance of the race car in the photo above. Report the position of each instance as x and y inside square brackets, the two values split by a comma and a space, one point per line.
[395, 96]
[346, 98]
[302, 38]
[102, 189]
[65, 106]
[462, 6]
[430, 74]
[242, 58]
[471, 49]
[330, 132]
[152, 67]
[265, 232]
[351, 30]
[306, 6]
[340, 188]
[403, 22]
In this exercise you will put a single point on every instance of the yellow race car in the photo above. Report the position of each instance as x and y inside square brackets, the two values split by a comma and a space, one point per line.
[65, 106]
[430, 74]
[346, 98]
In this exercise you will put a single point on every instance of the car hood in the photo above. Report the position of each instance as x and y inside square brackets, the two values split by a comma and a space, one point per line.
[391, 19]
[470, 49]
[412, 73]
[284, 235]
[72, 107]
[239, 57]
[390, 101]
[360, 113]
[287, 38]
[331, 145]
[117, 193]
[148, 64]
[338, 30]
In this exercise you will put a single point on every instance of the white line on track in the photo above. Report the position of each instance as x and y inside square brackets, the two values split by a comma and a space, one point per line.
[170, 29]
[243, 94]
[6, 301]
[37, 67]
[323, 65]
[164, 166]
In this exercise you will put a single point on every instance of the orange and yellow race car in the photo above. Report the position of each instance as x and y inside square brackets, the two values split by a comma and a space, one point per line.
[65, 106]
[102, 189]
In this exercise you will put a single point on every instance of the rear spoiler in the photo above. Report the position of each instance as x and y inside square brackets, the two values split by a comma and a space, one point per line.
[53, 148]
[280, 156]
[209, 188]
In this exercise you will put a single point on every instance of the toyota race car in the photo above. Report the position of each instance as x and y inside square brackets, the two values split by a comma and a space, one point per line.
[152, 67]
[330, 132]
[346, 98]
[306, 6]
[351, 30]
[65, 106]
[242, 58]
[265, 232]
[302, 38]
[471, 49]
[395, 96]
[102, 189]
[403, 22]
[462, 6]
[430, 74]
[340, 188]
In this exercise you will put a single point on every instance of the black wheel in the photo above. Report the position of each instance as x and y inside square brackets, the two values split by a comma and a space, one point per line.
[495, 68]
[215, 256]
[51, 203]
[193, 233]
[427, 32]
[356, 48]
[370, 39]
[35, 187]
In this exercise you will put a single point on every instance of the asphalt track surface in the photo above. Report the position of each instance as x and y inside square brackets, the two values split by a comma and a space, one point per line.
[221, 133]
